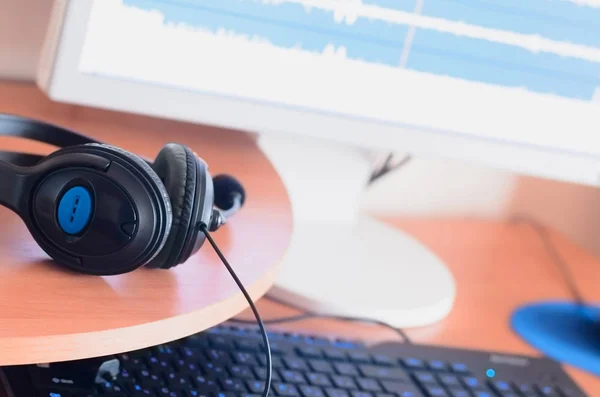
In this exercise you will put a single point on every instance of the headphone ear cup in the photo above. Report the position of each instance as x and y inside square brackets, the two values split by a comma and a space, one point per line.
[176, 166]
[160, 196]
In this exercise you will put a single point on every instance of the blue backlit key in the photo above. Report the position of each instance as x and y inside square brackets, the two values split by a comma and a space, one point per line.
[437, 365]
[471, 382]
[459, 368]
[414, 363]
[502, 386]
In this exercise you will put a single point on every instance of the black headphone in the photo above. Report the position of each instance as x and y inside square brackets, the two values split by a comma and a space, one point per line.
[98, 209]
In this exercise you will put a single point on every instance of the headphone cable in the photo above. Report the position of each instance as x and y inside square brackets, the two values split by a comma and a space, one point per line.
[259, 321]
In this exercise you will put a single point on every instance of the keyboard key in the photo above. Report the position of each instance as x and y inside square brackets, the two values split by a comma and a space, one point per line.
[140, 391]
[248, 345]
[217, 356]
[311, 391]
[255, 386]
[425, 378]
[335, 354]
[276, 362]
[174, 380]
[285, 390]
[501, 386]
[449, 380]
[359, 357]
[372, 371]
[214, 370]
[524, 388]
[547, 391]
[54, 393]
[459, 368]
[437, 365]
[245, 358]
[381, 359]
[317, 379]
[471, 382]
[241, 371]
[343, 382]
[276, 349]
[164, 350]
[149, 379]
[414, 363]
[193, 393]
[459, 392]
[358, 393]
[225, 394]
[331, 392]
[261, 373]
[436, 391]
[219, 342]
[346, 369]
[346, 344]
[290, 376]
[205, 385]
[295, 363]
[232, 384]
[309, 352]
[166, 392]
[368, 384]
[402, 389]
[482, 393]
[384, 395]
[321, 366]
[186, 352]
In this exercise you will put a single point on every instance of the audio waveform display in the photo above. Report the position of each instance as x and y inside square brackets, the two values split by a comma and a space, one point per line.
[560, 20]
[288, 25]
[356, 31]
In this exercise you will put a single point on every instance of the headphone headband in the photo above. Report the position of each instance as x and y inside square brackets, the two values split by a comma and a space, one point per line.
[40, 131]
[21, 127]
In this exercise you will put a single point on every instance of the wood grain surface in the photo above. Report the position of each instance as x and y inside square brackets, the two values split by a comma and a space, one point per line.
[497, 266]
[50, 314]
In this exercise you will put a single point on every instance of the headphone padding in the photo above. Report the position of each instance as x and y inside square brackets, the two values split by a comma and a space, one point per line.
[175, 165]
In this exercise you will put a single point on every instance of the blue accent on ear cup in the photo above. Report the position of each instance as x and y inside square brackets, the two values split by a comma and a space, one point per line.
[75, 210]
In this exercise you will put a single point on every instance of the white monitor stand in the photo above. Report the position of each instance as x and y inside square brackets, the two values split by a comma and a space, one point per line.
[343, 262]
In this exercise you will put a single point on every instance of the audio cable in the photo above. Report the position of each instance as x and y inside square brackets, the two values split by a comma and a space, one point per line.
[310, 316]
[560, 263]
[259, 321]
[269, 367]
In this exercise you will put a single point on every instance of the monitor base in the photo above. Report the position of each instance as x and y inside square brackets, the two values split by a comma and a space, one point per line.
[367, 270]
[340, 262]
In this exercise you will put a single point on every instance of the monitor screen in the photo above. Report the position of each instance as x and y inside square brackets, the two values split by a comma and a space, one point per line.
[523, 71]
[512, 84]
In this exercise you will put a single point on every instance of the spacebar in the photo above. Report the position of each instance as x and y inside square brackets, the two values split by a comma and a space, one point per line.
[373, 371]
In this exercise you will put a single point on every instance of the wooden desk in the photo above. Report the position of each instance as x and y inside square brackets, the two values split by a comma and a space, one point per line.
[497, 267]
[49, 314]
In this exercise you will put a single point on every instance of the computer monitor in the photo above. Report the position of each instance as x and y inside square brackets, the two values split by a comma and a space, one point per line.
[507, 83]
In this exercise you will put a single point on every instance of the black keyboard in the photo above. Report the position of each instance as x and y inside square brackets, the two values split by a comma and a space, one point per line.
[228, 361]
